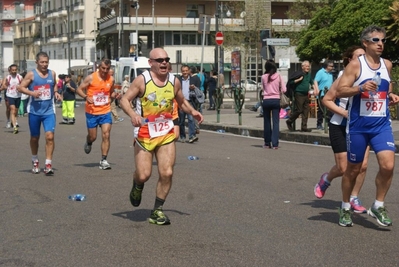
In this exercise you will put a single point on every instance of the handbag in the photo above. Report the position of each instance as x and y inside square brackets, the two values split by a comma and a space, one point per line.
[284, 100]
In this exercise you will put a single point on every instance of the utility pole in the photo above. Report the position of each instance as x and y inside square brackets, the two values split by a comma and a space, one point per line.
[120, 29]
[216, 30]
[153, 34]
[69, 35]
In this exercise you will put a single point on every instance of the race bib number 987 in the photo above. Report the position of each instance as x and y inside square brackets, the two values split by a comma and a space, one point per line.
[373, 105]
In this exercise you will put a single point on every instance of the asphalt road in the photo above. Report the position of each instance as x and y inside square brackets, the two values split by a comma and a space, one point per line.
[238, 205]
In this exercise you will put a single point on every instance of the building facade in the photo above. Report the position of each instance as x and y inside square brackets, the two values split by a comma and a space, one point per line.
[23, 14]
[69, 29]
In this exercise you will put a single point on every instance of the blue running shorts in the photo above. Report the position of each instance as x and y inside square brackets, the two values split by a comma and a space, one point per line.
[92, 121]
[357, 144]
[35, 122]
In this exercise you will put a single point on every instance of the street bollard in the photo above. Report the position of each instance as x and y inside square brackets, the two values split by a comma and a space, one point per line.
[239, 99]
[218, 97]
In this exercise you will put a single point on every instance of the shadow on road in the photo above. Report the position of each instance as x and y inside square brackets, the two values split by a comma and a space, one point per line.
[142, 215]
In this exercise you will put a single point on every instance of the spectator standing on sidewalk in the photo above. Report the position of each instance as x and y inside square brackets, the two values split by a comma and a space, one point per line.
[186, 84]
[301, 103]
[195, 81]
[272, 84]
[114, 112]
[322, 81]
[68, 100]
[368, 122]
[212, 83]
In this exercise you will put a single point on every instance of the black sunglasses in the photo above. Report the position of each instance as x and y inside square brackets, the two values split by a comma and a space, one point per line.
[376, 40]
[161, 60]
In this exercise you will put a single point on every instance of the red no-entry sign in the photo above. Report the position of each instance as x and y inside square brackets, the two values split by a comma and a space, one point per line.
[219, 38]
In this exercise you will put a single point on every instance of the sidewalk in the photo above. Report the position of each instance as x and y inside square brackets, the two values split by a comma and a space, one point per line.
[253, 126]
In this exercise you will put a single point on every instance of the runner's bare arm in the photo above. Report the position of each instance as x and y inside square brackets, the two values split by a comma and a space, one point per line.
[81, 91]
[329, 100]
[4, 84]
[56, 94]
[345, 87]
[23, 86]
[136, 89]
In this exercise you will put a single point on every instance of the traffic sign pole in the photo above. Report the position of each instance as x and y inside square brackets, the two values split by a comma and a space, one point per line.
[219, 38]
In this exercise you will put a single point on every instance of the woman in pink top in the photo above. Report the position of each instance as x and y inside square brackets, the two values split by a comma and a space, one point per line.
[272, 83]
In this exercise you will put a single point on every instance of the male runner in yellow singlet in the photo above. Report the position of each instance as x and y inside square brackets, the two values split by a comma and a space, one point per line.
[154, 130]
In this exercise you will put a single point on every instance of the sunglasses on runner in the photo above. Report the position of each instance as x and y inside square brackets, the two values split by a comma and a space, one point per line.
[161, 60]
[376, 40]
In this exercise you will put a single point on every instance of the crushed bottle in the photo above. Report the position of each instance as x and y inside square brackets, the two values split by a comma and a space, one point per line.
[77, 197]
[193, 158]
[220, 131]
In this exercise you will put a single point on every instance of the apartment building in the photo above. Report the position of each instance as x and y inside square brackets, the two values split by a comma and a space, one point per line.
[18, 27]
[69, 29]
[174, 25]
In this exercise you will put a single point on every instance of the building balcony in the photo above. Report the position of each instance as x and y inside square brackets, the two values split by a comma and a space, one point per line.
[110, 24]
[62, 12]
[23, 40]
[78, 35]
[7, 38]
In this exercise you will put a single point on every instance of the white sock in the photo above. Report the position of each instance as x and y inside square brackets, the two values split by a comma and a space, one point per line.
[352, 197]
[378, 204]
[35, 158]
[48, 161]
[346, 205]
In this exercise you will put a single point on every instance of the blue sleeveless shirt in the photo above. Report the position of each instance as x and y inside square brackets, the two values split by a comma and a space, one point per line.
[369, 113]
[43, 105]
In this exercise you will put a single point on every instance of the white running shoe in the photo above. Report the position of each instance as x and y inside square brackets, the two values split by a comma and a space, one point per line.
[104, 165]
[35, 167]
[8, 126]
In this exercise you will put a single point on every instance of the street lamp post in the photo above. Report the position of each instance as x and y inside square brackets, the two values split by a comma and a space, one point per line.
[22, 6]
[69, 36]
[216, 30]
[137, 29]
[120, 29]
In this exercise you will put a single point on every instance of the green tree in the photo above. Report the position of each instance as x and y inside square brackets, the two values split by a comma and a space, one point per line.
[393, 22]
[338, 25]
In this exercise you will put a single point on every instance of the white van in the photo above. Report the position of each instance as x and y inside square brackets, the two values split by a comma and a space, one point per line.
[129, 66]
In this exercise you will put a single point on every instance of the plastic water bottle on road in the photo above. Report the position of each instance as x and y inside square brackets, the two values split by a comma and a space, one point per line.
[193, 158]
[77, 197]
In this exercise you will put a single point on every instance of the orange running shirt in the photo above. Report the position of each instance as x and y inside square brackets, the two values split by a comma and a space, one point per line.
[100, 90]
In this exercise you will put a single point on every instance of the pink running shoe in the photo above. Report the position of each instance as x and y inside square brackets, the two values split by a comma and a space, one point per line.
[321, 187]
[356, 206]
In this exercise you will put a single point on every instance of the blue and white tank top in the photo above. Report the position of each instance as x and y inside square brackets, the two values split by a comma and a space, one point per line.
[44, 104]
[342, 102]
[369, 113]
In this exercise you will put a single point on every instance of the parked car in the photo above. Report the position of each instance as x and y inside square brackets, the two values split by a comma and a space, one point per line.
[250, 85]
